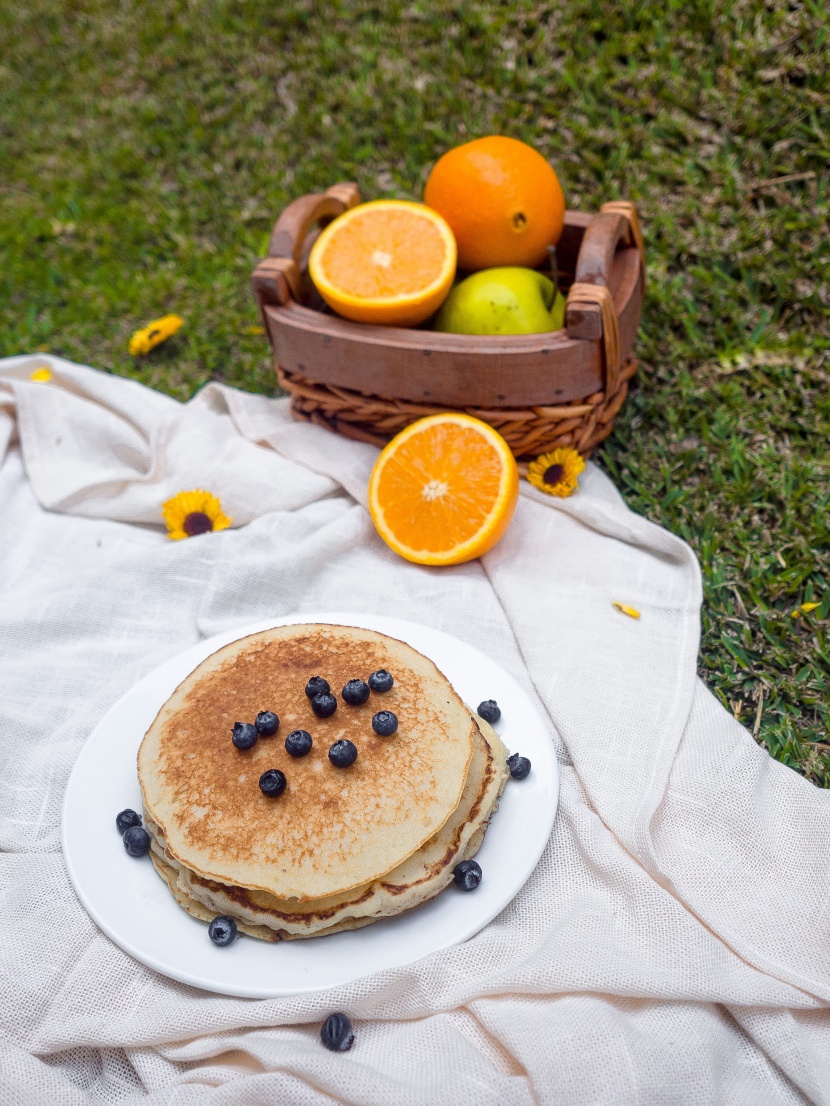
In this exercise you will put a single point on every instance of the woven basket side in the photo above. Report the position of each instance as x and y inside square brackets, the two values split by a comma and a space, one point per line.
[582, 424]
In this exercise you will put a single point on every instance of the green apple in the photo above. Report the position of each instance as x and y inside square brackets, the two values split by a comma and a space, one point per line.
[507, 300]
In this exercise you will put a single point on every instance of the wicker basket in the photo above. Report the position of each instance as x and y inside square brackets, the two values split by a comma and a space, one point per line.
[538, 390]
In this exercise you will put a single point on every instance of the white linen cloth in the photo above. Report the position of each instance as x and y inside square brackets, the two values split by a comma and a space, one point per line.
[673, 945]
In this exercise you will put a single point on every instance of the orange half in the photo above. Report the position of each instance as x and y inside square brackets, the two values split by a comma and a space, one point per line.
[444, 490]
[388, 261]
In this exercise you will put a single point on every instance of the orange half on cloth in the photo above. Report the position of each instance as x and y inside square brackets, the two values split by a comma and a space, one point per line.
[444, 490]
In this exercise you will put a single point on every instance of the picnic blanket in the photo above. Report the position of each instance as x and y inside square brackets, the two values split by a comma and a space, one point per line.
[673, 944]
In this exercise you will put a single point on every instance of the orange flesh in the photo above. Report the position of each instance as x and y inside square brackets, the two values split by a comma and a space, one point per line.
[439, 487]
[384, 254]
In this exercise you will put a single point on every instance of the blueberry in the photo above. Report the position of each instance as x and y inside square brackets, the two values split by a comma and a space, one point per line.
[298, 743]
[336, 1033]
[125, 819]
[324, 705]
[355, 692]
[316, 686]
[222, 930]
[272, 783]
[384, 723]
[136, 841]
[244, 735]
[342, 754]
[266, 723]
[467, 875]
[489, 710]
[519, 766]
[381, 680]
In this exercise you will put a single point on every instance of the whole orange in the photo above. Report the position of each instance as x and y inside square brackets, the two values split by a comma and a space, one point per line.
[502, 200]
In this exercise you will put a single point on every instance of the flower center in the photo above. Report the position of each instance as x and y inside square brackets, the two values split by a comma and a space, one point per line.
[197, 522]
[553, 474]
[434, 489]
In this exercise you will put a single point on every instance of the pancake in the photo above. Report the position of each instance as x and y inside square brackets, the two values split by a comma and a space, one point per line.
[420, 877]
[332, 830]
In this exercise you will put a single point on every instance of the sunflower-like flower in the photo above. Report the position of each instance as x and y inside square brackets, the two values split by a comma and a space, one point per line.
[556, 472]
[190, 513]
[153, 334]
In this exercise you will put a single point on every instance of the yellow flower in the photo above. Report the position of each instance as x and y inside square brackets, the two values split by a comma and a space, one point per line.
[805, 608]
[556, 472]
[42, 375]
[254, 330]
[153, 334]
[190, 513]
[632, 612]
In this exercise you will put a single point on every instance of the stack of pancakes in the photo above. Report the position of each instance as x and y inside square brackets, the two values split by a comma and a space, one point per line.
[340, 847]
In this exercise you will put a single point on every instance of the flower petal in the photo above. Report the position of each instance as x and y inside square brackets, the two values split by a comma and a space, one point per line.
[632, 612]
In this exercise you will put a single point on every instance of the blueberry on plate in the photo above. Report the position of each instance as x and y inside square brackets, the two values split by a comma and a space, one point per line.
[125, 819]
[381, 681]
[384, 723]
[272, 783]
[467, 875]
[355, 692]
[519, 766]
[222, 930]
[244, 735]
[298, 743]
[489, 710]
[342, 753]
[316, 686]
[324, 705]
[266, 723]
[137, 841]
[336, 1033]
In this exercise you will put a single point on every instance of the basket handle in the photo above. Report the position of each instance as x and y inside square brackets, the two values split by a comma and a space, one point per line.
[276, 280]
[591, 312]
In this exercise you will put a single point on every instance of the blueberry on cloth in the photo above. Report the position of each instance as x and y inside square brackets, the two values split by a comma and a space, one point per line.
[337, 1034]
[467, 875]
[266, 723]
[125, 819]
[489, 710]
[381, 680]
[342, 753]
[222, 930]
[384, 723]
[272, 783]
[355, 692]
[324, 705]
[519, 766]
[137, 841]
[316, 686]
[244, 735]
[298, 743]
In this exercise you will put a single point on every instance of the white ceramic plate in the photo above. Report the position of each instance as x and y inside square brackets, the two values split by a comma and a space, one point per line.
[133, 906]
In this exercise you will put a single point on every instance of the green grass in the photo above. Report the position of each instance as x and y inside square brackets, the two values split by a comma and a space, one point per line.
[146, 150]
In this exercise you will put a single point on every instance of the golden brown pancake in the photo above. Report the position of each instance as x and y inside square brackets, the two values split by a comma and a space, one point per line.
[332, 829]
[420, 877]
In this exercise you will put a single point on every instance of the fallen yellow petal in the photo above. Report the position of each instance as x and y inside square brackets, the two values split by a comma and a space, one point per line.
[254, 330]
[154, 334]
[41, 375]
[807, 607]
[632, 612]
